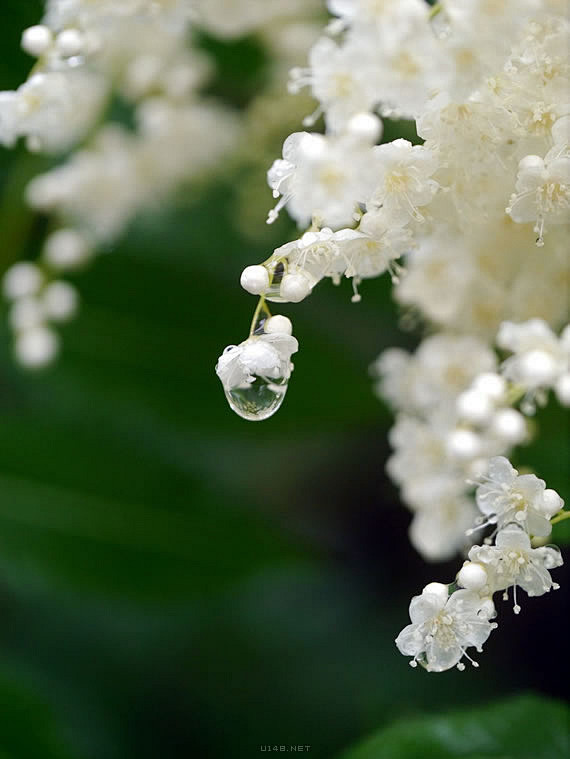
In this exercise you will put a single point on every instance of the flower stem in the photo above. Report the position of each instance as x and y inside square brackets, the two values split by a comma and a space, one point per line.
[560, 517]
[261, 306]
[436, 9]
[515, 393]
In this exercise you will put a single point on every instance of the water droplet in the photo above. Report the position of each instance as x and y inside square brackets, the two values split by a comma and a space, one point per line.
[258, 400]
[276, 273]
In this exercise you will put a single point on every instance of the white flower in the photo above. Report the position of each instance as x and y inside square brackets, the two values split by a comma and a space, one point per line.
[489, 272]
[511, 562]
[337, 81]
[442, 629]
[540, 357]
[410, 64]
[54, 109]
[322, 177]
[542, 191]
[404, 180]
[377, 247]
[438, 529]
[356, 254]
[374, 11]
[468, 134]
[419, 451]
[267, 356]
[314, 253]
[442, 367]
[505, 496]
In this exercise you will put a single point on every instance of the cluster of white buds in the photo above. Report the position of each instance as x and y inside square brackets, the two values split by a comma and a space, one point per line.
[456, 409]
[454, 412]
[486, 406]
[145, 54]
[37, 302]
[464, 211]
[448, 619]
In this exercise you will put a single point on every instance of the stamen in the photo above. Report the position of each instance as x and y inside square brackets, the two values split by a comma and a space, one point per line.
[312, 118]
[357, 297]
[516, 607]
[473, 662]
[273, 215]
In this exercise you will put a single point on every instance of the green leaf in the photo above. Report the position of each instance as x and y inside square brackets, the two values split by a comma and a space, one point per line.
[526, 727]
[27, 726]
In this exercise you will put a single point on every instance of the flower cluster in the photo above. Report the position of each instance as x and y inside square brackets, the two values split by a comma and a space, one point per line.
[145, 57]
[456, 409]
[472, 225]
[485, 83]
[448, 619]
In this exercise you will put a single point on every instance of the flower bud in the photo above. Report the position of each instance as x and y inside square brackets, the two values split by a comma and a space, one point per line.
[312, 146]
[472, 576]
[294, 288]
[463, 444]
[70, 42]
[66, 249]
[366, 127]
[509, 425]
[26, 313]
[60, 300]
[36, 347]
[531, 163]
[36, 40]
[21, 280]
[278, 325]
[492, 385]
[551, 503]
[474, 406]
[538, 368]
[255, 279]
[436, 589]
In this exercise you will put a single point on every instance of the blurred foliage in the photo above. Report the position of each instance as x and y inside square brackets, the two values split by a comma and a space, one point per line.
[241, 67]
[177, 582]
[514, 728]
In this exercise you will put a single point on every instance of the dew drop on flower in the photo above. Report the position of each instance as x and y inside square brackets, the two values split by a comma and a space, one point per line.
[273, 291]
[257, 400]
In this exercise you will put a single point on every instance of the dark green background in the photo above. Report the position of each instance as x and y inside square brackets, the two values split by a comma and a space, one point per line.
[176, 582]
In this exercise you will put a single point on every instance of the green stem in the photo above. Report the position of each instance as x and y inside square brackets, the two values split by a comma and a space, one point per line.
[560, 517]
[437, 8]
[515, 393]
[261, 306]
